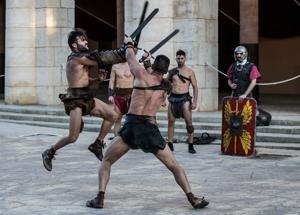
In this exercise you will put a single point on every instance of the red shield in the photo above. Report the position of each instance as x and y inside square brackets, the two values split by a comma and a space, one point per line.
[238, 126]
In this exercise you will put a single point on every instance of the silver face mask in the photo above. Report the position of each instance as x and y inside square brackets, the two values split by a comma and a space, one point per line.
[240, 53]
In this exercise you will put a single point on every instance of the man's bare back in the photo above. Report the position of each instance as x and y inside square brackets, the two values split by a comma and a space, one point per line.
[146, 102]
[140, 130]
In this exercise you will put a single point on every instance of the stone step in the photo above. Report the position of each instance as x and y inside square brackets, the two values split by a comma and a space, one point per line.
[201, 117]
[260, 137]
[32, 109]
[270, 145]
[179, 132]
[162, 123]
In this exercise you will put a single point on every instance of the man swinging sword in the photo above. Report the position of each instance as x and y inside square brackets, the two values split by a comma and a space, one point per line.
[79, 101]
[140, 130]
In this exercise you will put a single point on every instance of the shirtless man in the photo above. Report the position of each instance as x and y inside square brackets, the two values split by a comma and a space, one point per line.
[79, 101]
[140, 129]
[181, 103]
[119, 93]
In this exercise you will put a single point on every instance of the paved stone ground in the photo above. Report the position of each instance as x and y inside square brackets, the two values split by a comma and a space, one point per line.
[139, 183]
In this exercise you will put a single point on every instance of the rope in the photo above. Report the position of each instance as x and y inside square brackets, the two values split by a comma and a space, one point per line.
[229, 17]
[261, 84]
[96, 17]
[2, 76]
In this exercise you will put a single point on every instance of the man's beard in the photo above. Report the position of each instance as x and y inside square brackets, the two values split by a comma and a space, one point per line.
[180, 64]
[83, 49]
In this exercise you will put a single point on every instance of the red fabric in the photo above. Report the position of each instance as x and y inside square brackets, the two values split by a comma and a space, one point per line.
[254, 74]
[122, 102]
[229, 72]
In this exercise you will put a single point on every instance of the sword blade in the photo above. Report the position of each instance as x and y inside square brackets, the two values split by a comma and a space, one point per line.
[137, 39]
[144, 23]
[164, 41]
[161, 43]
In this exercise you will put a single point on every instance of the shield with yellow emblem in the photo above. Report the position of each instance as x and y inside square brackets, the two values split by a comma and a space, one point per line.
[238, 126]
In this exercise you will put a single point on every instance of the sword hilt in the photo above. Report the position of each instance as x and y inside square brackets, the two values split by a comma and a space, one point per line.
[144, 58]
[135, 44]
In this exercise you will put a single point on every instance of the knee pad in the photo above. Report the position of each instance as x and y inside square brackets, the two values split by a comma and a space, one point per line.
[190, 129]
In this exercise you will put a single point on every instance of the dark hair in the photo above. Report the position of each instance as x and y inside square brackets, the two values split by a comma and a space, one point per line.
[180, 52]
[161, 64]
[72, 36]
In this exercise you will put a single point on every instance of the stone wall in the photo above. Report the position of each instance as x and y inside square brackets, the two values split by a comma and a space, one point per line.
[36, 49]
[36, 44]
[197, 21]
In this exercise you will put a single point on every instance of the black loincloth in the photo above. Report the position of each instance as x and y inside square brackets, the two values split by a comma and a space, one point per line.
[141, 132]
[177, 101]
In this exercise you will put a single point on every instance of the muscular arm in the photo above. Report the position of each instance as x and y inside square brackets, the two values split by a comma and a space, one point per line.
[101, 76]
[169, 75]
[195, 90]
[111, 84]
[86, 61]
[109, 57]
[134, 66]
[112, 79]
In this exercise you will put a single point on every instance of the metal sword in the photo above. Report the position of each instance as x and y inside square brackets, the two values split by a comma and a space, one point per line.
[144, 23]
[161, 43]
[137, 38]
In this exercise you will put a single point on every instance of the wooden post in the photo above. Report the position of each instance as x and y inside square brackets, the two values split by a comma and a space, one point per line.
[249, 33]
[120, 22]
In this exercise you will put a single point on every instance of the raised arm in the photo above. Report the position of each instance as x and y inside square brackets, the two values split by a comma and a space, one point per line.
[109, 57]
[134, 66]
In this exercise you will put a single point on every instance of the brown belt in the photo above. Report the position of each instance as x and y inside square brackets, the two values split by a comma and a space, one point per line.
[123, 91]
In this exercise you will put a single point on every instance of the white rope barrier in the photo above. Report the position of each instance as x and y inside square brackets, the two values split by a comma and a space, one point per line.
[261, 84]
[297, 2]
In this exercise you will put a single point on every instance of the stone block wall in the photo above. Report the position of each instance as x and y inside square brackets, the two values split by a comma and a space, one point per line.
[36, 44]
[197, 21]
[36, 50]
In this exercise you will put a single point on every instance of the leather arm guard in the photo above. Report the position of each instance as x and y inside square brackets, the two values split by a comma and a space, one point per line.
[147, 64]
[109, 57]
[172, 72]
[110, 92]
[167, 85]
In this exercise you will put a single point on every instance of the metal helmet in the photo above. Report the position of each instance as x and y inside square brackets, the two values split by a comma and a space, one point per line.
[240, 53]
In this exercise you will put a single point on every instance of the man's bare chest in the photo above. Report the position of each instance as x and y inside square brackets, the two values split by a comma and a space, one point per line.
[181, 77]
[124, 75]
